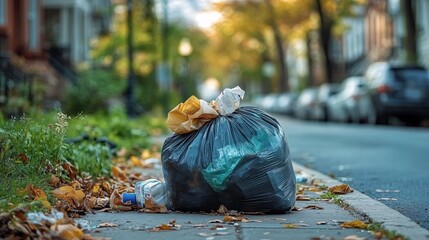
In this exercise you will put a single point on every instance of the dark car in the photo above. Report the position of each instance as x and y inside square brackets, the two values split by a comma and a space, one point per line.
[400, 91]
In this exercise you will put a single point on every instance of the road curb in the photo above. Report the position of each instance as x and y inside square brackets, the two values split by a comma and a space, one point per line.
[374, 210]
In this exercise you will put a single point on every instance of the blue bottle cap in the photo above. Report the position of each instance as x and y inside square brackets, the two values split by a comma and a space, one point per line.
[129, 197]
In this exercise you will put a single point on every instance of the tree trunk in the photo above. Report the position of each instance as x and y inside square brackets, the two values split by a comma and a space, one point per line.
[410, 26]
[310, 81]
[325, 39]
[283, 78]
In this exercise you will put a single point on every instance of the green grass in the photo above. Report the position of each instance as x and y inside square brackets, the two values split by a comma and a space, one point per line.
[32, 149]
[332, 197]
[28, 155]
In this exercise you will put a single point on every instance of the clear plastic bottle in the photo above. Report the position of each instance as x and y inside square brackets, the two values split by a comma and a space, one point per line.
[148, 193]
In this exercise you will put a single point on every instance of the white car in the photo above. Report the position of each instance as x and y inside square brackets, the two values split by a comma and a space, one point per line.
[352, 103]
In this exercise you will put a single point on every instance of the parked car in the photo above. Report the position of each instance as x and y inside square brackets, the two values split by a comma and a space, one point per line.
[305, 104]
[352, 102]
[268, 102]
[285, 103]
[326, 91]
[400, 91]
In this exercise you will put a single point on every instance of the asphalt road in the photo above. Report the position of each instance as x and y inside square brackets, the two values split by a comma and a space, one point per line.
[387, 163]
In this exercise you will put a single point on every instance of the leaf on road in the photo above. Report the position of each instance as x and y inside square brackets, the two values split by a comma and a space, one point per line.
[235, 219]
[68, 231]
[322, 223]
[340, 189]
[302, 198]
[294, 225]
[166, 227]
[315, 207]
[354, 224]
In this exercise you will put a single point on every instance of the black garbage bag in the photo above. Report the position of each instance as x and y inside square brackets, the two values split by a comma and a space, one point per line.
[240, 160]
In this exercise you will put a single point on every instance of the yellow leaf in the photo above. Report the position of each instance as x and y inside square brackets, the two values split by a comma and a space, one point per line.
[355, 224]
[118, 173]
[135, 161]
[96, 188]
[38, 195]
[68, 231]
[340, 189]
[68, 192]
[234, 219]
[145, 154]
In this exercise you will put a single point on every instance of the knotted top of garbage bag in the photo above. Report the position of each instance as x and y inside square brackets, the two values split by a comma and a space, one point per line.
[192, 114]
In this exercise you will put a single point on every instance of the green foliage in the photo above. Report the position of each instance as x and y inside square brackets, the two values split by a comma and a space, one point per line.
[92, 92]
[332, 197]
[28, 153]
[133, 134]
[391, 235]
[90, 157]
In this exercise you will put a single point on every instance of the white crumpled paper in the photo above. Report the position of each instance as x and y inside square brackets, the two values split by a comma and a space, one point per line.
[228, 101]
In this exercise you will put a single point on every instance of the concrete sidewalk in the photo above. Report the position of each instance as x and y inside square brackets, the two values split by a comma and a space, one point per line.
[315, 219]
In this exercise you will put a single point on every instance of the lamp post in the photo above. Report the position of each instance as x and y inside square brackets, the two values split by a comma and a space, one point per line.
[129, 91]
[185, 50]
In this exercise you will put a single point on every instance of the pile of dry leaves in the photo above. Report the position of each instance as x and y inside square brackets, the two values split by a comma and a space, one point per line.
[78, 195]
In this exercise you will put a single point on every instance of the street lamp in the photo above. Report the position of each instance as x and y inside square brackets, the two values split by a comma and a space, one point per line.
[129, 91]
[185, 47]
[185, 50]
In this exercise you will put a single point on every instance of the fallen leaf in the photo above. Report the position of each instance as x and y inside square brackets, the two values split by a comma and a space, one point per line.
[54, 181]
[38, 195]
[340, 189]
[68, 231]
[322, 223]
[235, 219]
[70, 169]
[119, 173]
[302, 198]
[313, 207]
[24, 159]
[115, 202]
[136, 161]
[354, 224]
[69, 192]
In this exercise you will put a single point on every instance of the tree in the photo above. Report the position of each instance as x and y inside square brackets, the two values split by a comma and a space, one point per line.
[410, 26]
[330, 13]
[268, 23]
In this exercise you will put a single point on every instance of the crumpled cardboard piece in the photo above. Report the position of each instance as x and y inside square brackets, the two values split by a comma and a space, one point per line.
[190, 115]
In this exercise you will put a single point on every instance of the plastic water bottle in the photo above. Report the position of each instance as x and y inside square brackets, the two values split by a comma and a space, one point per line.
[147, 193]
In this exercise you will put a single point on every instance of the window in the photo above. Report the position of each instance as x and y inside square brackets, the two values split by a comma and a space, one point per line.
[33, 24]
[3, 7]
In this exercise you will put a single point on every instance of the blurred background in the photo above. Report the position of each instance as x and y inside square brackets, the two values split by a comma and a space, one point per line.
[146, 56]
